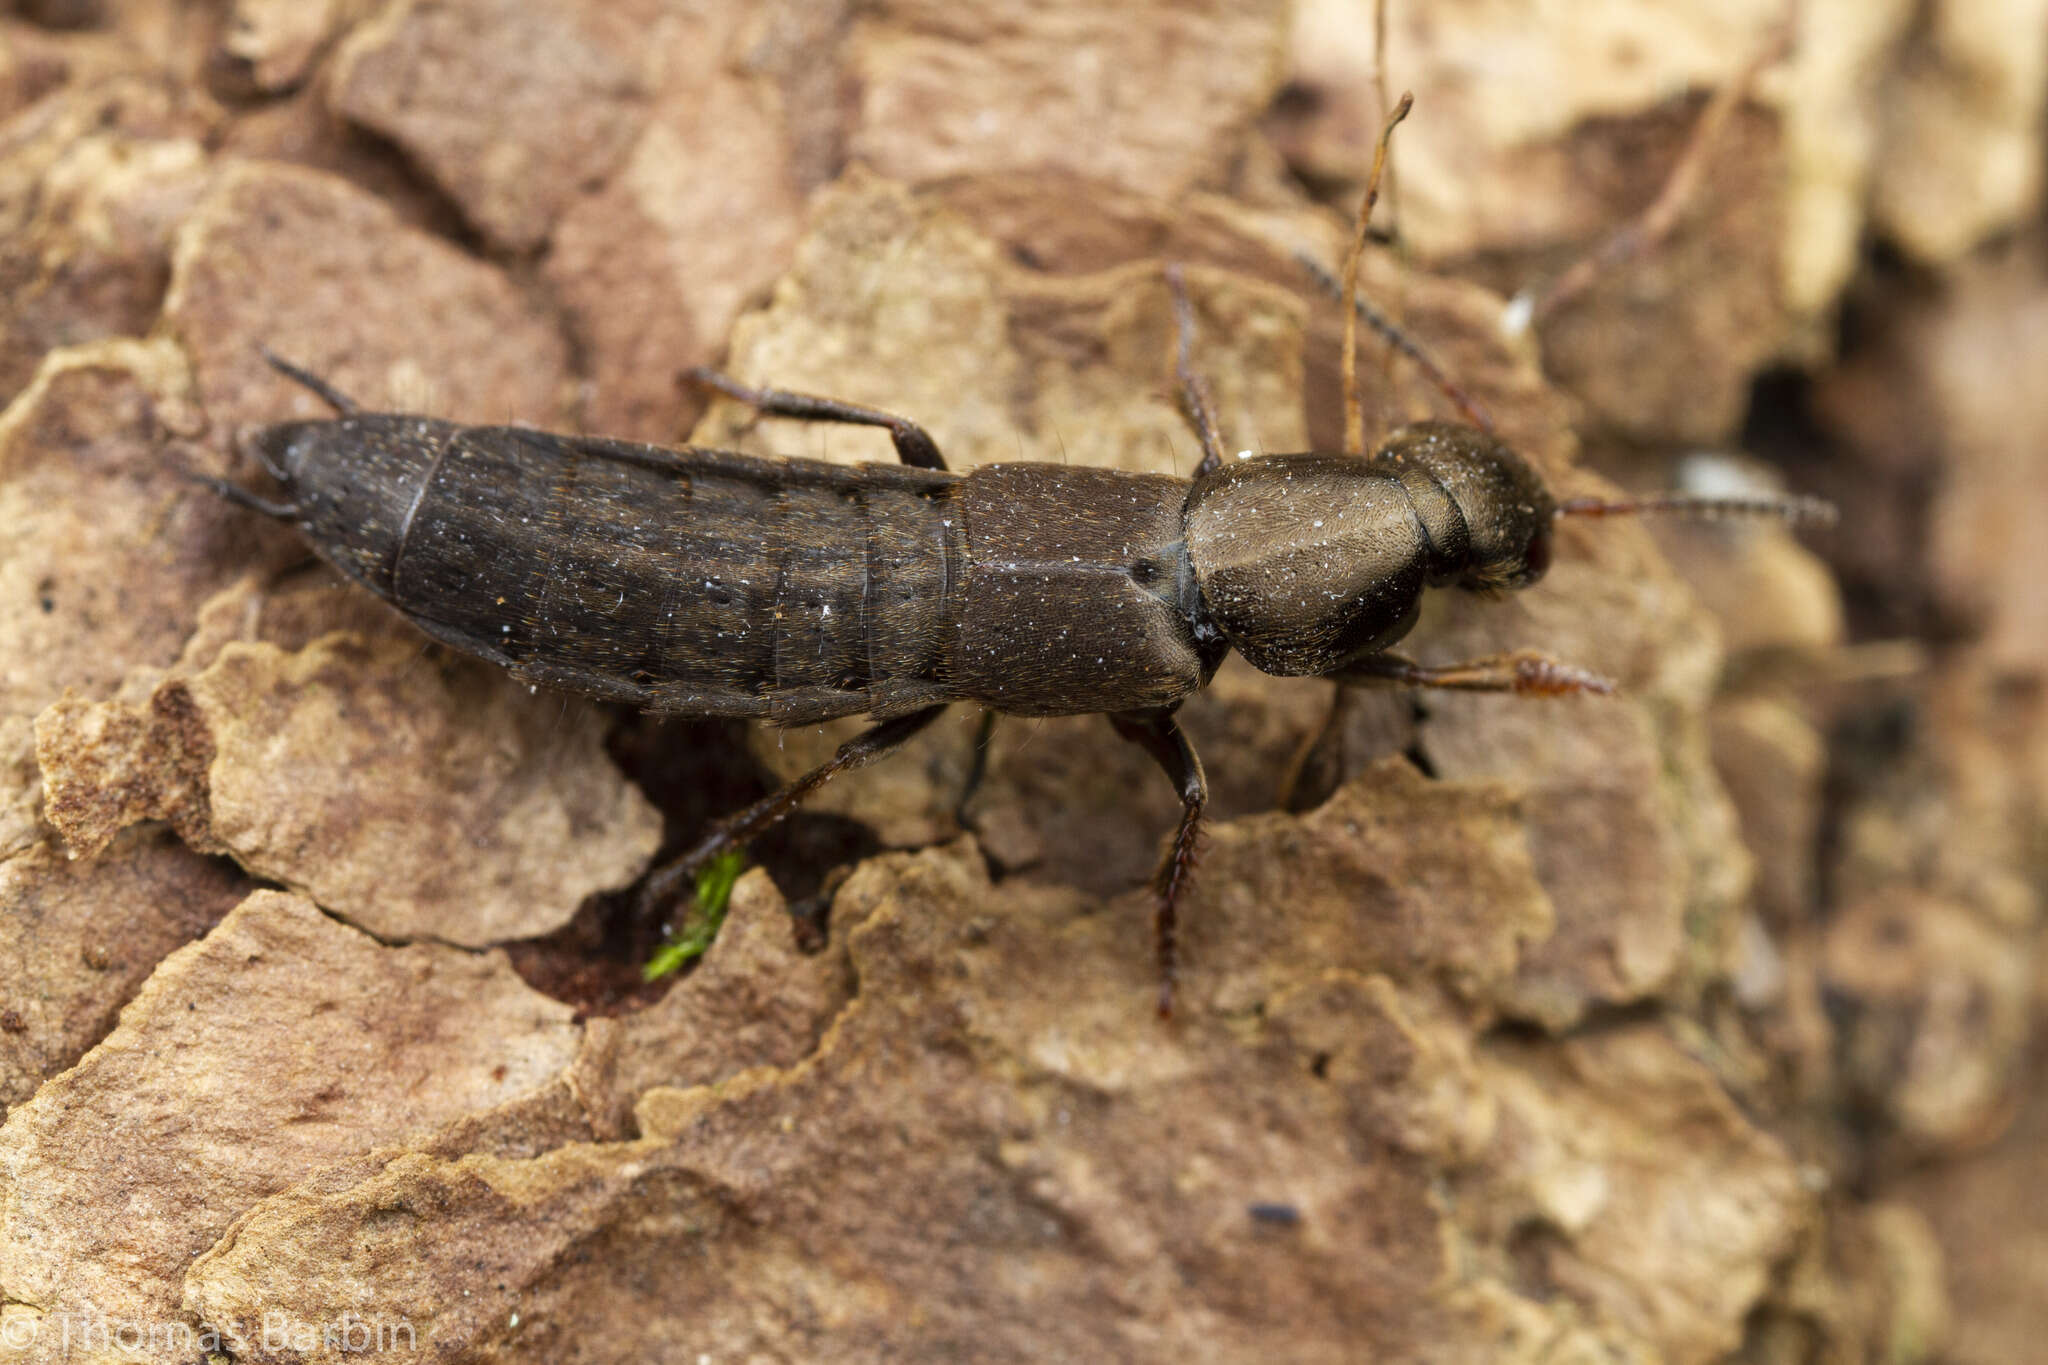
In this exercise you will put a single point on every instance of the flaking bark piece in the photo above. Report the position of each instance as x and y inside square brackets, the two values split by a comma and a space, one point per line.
[1395, 875]
[278, 1044]
[1631, 832]
[414, 793]
[1769, 593]
[109, 765]
[1963, 146]
[93, 259]
[88, 595]
[1933, 1007]
[302, 130]
[1132, 95]
[652, 264]
[997, 1130]
[278, 40]
[924, 336]
[1484, 165]
[1624, 1187]
[1663, 349]
[509, 107]
[1512, 167]
[328, 277]
[73, 91]
[1774, 763]
[754, 1000]
[77, 938]
[1968, 364]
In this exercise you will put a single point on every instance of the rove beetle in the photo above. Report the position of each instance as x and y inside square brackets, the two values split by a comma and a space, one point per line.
[702, 582]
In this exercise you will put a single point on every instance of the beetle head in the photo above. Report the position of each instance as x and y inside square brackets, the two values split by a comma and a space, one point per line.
[1485, 513]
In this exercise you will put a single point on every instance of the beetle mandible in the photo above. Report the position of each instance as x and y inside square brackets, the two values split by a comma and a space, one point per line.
[703, 582]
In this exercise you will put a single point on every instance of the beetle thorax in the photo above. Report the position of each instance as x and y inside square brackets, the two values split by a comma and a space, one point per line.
[1306, 560]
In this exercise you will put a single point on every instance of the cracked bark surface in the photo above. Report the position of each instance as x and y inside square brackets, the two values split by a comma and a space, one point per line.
[1692, 1025]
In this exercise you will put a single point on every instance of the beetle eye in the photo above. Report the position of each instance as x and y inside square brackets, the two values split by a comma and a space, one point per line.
[1536, 559]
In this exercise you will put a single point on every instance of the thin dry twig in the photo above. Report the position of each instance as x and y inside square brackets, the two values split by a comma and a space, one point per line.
[1393, 182]
[1354, 413]
[1655, 223]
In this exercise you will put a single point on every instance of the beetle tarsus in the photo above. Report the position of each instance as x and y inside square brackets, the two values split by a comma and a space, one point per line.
[1524, 672]
[1159, 734]
[1539, 675]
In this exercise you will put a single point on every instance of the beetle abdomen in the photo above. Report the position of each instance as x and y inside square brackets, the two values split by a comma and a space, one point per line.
[685, 581]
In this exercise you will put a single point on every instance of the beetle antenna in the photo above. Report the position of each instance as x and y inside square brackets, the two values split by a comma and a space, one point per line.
[1792, 508]
[1196, 399]
[1470, 408]
[1354, 412]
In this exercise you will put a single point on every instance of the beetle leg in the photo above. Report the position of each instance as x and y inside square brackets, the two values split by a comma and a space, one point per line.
[1196, 400]
[747, 824]
[913, 445]
[1321, 760]
[977, 766]
[334, 397]
[1159, 734]
[1525, 672]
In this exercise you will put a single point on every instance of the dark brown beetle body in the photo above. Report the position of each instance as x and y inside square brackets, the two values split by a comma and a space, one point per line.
[703, 582]
[708, 583]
